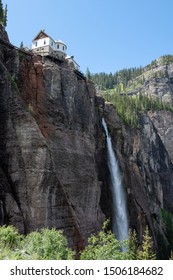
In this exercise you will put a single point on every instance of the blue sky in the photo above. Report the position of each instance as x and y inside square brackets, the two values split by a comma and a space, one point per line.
[104, 35]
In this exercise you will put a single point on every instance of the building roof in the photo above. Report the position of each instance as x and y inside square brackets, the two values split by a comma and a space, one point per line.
[43, 34]
[59, 41]
[40, 35]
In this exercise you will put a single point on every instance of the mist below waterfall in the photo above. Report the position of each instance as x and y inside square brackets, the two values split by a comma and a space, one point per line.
[119, 209]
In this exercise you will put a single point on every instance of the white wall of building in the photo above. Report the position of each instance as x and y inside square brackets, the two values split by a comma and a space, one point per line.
[41, 43]
[57, 46]
[60, 46]
[47, 46]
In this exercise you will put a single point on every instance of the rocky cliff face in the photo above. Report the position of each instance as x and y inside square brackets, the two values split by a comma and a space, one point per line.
[49, 122]
[156, 81]
[145, 158]
[53, 161]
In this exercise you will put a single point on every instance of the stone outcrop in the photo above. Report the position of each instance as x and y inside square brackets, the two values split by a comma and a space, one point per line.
[156, 81]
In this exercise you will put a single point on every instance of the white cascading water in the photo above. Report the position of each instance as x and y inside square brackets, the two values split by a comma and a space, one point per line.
[119, 215]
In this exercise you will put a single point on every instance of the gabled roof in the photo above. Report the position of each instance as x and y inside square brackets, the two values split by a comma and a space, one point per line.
[40, 35]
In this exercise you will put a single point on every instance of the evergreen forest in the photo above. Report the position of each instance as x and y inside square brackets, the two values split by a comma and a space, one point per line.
[125, 77]
[123, 90]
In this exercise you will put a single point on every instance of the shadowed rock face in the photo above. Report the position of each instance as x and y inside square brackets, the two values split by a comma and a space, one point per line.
[49, 141]
[163, 123]
[145, 160]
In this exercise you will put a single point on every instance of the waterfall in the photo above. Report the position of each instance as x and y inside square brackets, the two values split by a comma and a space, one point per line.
[119, 215]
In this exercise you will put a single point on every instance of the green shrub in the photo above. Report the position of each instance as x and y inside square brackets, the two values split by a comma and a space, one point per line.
[103, 246]
[47, 244]
[42, 245]
[132, 246]
[146, 252]
[51, 244]
[9, 237]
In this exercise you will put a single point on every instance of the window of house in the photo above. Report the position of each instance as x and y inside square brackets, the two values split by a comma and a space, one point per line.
[51, 43]
[36, 44]
[44, 42]
[63, 48]
[58, 46]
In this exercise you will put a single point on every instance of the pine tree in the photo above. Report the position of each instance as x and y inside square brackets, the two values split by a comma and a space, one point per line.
[21, 45]
[146, 253]
[132, 246]
[88, 74]
[5, 15]
[1, 12]
[103, 246]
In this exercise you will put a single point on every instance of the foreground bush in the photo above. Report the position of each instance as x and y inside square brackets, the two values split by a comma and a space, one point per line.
[51, 244]
[104, 246]
[9, 237]
[46, 244]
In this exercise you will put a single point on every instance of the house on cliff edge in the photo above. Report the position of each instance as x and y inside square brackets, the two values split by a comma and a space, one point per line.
[44, 45]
